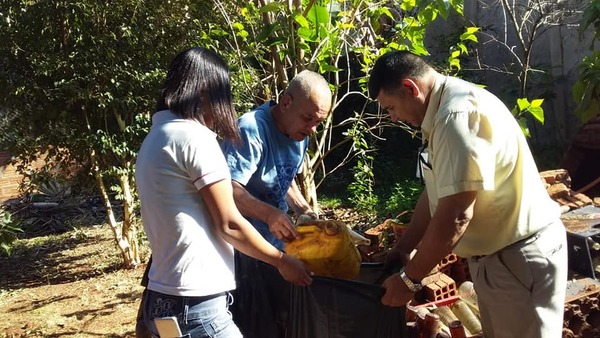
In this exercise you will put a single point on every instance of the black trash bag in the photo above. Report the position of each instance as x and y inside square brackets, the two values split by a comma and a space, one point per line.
[261, 299]
[266, 306]
[336, 308]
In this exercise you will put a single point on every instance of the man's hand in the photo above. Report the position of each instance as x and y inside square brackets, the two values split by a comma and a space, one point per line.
[294, 271]
[307, 217]
[396, 291]
[281, 226]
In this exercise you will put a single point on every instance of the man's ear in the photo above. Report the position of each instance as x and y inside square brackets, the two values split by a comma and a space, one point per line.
[285, 101]
[411, 87]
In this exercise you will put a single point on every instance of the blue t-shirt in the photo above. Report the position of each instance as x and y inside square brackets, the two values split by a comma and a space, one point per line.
[265, 162]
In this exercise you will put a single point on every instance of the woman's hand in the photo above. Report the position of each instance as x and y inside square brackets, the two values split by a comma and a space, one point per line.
[294, 271]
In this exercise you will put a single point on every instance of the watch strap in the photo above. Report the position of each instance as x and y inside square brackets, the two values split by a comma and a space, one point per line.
[412, 286]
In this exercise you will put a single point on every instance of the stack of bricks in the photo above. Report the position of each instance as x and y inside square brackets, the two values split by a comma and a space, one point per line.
[460, 271]
[445, 265]
[558, 185]
[582, 318]
[438, 286]
[443, 282]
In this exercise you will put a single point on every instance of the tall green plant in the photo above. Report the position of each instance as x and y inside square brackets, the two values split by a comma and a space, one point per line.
[360, 190]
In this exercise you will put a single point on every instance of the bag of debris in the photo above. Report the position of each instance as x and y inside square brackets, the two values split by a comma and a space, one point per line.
[332, 307]
[265, 305]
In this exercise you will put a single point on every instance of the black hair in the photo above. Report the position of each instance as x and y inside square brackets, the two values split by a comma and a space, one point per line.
[392, 67]
[198, 87]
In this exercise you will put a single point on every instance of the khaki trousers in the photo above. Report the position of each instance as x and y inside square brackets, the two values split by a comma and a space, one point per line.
[521, 289]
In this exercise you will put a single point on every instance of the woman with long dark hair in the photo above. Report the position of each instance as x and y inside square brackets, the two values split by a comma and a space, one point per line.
[188, 211]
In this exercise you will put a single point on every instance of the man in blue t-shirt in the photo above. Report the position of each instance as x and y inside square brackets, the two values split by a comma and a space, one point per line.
[274, 143]
[263, 168]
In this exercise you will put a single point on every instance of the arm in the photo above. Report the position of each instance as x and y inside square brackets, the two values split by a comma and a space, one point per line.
[401, 251]
[279, 223]
[236, 230]
[297, 202]
[441, 235]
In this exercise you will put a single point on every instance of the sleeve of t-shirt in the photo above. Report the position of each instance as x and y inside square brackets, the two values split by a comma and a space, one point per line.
[203, 160]
[301, 164]
[463, 155]
[243, 159]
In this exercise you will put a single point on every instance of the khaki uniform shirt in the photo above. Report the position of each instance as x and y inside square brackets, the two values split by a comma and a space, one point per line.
[475, 144]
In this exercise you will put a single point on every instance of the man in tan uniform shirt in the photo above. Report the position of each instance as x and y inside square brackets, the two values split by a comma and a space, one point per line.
[484, 200]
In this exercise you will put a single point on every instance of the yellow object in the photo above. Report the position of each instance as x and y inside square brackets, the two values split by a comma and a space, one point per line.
[327, 249]
[466, 316]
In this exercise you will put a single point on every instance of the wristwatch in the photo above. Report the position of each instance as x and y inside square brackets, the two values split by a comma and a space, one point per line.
[412, 286]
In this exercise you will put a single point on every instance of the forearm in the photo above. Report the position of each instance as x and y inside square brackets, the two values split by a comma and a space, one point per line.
[417, 227]
[296, 200]
[244, 238]
[444, 231]
[229, 224]
[249, 206]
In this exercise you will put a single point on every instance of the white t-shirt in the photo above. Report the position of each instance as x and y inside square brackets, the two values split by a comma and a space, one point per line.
[177, 159]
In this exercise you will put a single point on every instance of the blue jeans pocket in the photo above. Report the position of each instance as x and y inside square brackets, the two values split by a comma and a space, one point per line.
[211, 319]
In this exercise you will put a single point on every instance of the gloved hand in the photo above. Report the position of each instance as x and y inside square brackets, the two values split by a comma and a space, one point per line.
[307, 217]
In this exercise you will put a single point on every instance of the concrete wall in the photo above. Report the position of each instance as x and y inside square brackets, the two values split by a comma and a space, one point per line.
[558, 51]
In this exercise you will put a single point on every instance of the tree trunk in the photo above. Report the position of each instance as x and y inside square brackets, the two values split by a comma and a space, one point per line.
[130, 229]
[122, 243]
[306, 184]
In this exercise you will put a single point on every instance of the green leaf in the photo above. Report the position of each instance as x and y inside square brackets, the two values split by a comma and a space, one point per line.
[455, 63]
[326, 67]
[307, 34]
[427, 15]
[443, 8]
[408, 5]
[267, 31]
[301, 20]
[318, 15]
[472, 29]
[537, 103]
[276, 41]
[522, 104]
[274, 6]
[537, 113]
[471, 37]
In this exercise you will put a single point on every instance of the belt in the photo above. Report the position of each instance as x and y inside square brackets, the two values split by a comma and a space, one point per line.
[532, 237]
[193, 300]
[205, 298]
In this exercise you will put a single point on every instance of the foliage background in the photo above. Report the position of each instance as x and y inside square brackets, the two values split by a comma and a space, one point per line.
[78, 80]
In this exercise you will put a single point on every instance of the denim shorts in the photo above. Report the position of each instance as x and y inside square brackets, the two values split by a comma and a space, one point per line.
[198, 317]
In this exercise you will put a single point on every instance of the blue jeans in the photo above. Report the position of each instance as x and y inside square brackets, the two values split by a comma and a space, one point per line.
[198, 317]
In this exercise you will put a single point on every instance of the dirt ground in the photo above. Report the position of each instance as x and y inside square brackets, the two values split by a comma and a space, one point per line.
[73, 285]
[68, 285]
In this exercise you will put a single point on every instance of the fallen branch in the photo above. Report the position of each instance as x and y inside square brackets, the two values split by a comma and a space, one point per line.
[589, 186]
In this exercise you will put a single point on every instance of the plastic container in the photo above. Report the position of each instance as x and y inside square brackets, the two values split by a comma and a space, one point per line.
[327, 249]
